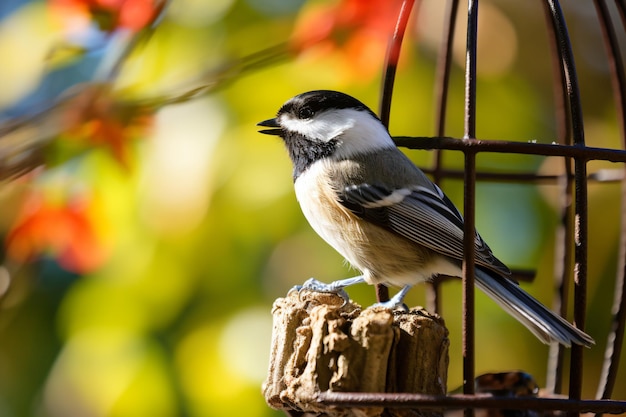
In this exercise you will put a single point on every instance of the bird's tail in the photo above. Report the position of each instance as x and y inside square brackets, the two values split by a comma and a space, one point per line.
[542, 322]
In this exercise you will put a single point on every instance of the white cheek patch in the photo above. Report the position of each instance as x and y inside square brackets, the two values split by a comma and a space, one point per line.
[324, 127]
[366, 134]
[356, 130]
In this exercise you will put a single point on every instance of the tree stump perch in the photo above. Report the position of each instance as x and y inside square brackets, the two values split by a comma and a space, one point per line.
[321, 344]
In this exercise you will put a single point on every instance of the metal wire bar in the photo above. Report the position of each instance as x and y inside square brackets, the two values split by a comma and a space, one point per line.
[615, 337]
[586, 153]
[468, 275]
[442, 82]
[391, 60]
[580, 194]
[621, 8]
[563, 249]
[580, 274]
[601, 176]
[389, 77]
[470, 69]
[463, 401]
[469, 204]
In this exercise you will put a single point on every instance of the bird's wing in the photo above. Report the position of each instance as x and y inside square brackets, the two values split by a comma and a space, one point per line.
[423, 215]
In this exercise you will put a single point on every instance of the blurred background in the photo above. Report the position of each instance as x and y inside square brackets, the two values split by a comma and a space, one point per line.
[148, 227]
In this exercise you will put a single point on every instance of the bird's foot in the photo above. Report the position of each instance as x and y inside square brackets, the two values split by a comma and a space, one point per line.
[313, 284]
[397, 301]
[336, 287]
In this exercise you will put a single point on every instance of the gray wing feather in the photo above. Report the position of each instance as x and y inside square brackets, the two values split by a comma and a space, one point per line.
[422, 215]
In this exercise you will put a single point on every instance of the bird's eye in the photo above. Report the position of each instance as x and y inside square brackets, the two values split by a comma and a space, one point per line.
[305, 113]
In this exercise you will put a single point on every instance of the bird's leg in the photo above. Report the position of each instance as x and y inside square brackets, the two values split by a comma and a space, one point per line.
[397, 300]
[335, 287]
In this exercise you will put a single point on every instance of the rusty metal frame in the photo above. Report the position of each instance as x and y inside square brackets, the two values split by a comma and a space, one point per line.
[572, 239]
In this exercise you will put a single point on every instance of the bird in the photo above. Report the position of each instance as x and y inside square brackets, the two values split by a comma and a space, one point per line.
[367, 200]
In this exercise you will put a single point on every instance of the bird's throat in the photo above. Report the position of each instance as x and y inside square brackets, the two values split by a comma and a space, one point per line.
[304, 152]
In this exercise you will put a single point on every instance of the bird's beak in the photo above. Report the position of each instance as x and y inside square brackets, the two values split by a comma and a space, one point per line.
[270, 123]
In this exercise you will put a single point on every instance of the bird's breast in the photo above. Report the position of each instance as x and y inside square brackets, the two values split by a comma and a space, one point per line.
[381, 255]
[318, 200]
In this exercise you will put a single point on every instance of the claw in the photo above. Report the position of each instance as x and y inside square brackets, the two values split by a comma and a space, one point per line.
[344, 296]
[312, 284]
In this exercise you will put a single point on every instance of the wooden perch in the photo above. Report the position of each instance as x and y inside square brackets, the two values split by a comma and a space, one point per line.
[321, 344]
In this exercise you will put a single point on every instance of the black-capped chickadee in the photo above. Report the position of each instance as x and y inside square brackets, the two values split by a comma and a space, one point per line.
[374, 206]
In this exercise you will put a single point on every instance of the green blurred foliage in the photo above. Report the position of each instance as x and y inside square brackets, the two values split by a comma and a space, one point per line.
[203, 231]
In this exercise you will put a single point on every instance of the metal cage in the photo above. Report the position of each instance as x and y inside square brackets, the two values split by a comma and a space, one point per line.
[574, 217]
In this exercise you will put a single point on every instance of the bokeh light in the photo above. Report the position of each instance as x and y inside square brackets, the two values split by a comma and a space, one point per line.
[185, 224]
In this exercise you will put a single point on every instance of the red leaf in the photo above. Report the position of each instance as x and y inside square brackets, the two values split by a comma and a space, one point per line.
[66, 232]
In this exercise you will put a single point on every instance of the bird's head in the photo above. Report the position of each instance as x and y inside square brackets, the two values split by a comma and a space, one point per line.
[327, 124]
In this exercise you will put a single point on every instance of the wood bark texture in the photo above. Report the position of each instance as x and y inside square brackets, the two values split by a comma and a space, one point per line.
[320, 344]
